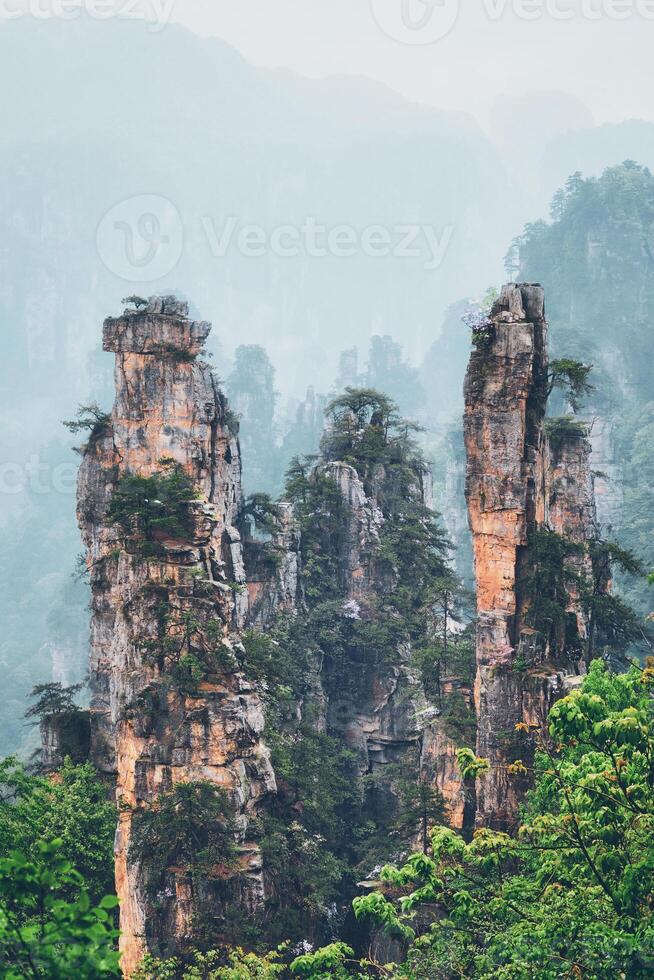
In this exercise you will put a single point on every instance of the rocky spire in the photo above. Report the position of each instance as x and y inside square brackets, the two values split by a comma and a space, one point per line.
[170, 704]
[517, 487]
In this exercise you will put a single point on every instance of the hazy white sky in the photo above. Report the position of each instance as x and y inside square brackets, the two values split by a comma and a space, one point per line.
[598, 50]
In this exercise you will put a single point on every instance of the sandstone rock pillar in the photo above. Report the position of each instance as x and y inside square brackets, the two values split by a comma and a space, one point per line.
[505, 397]
[151, 730]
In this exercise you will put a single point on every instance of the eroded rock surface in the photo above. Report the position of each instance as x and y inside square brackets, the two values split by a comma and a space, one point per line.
[390, 722]
[516, 486]
[183, 595]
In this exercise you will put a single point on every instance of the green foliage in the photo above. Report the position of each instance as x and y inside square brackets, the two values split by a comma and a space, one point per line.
[547, 581]
[53, 699]
[554, 571]
[72, 808]
[333, 962]
[44, 934]
[309, 836]
[572, 378]
[364, 428]
[263, 512]
[219, 964]
[89, 418]
[564, 429]
[383, 912]
[471, 766]
[189, 647]
[191, 827]
[571, 893]
[420, 805]
[458, 717]
[594, 260]
[613, 624]
[261, 520]
[154, 505]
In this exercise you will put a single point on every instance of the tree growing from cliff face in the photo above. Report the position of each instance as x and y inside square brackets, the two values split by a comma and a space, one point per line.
[191, 827]
[155, 504]
[53, 698]
[90, 418]
[554, 574]
[612, 623]
[571, 378]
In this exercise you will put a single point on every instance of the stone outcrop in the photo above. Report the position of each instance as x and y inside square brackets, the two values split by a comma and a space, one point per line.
[66, 734]
[273, 571]
[164, 596]
[389, 721]
[515, 487]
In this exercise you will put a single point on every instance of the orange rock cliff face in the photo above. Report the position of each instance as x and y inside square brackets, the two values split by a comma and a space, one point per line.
[516, 485]
[149, 734]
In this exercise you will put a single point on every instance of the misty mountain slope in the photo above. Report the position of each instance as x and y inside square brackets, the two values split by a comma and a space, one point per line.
[96, 113]
[113, 112]
[591, 151]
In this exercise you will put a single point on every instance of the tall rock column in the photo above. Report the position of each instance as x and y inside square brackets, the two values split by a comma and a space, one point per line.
[505, 397]
[531, 509]
[170, 704]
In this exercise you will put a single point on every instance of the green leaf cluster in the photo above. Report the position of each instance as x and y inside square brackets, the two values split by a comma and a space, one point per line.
[44, 934]
[154, 505]
[72, 808]
[572, 892]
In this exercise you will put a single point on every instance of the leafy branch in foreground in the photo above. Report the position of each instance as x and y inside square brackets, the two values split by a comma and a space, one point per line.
[44, 935]
[572, 893]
